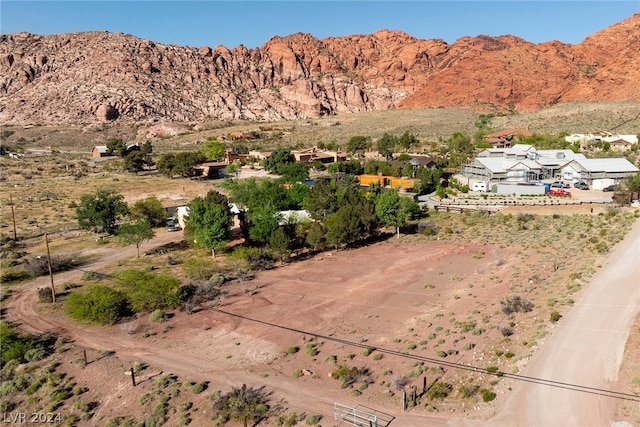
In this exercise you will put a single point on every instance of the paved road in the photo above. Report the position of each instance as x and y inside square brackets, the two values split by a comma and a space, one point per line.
[585, 349]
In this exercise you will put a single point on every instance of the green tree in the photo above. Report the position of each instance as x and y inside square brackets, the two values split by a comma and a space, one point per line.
[101, 210]
[294, 172]
[388, 210]
[135, 162]
[633, 182]
[262, 223]
[386, 145]
[99, 304]
[216, 198]
[408, 140]
[429, 179]
[135, 233]
[298, 194]
[321, 200]
[242, 405]
[315, 236]
[358, 144]
[279, 244]
[354, 220]
[255, 194]
[213, 150]
[166, 164]
[210, 223]
[116, 147]
[350, 167]
[151, 210]
[233, 168]
[460, 150]
[179, 164]
[277, 160]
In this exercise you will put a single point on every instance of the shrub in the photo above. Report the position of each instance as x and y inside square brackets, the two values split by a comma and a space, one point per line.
[198, 388]
[554, 316]
[14, 346]
[99, 304]
[39, 265]
[35, 354]
[312, 420]
[515, 304]
[466, 392]
[184, 420]
[487, 395]
[367, 351]
[399, 382]
[439, 390]
[166, 380]
[200, 268]
[506, 331]
[311, 349]
[45, 295]
[287, 420]
[147, 291]
[351, 375]
[157, 316]
[297, 373]
[293, 349]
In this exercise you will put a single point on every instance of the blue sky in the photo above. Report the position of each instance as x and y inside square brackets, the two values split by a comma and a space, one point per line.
[252, 23]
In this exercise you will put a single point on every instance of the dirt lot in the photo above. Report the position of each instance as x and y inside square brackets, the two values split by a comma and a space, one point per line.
[422, 305]
[416, 310]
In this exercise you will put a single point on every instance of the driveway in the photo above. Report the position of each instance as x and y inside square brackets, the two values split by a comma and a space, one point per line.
[585, 349]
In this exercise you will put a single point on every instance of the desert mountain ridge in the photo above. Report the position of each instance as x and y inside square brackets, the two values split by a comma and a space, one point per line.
[103, 76]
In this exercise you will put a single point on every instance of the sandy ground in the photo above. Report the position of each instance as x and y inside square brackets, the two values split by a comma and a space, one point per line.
[390, 295]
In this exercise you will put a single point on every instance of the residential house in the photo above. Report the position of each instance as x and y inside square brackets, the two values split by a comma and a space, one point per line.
[311, 155]
[260, 154]
[591, 169]
[99, 151]
[620, 145]
[595, 139]
[230, 157]
[507, 137]
[208, 170]
[517, 166]
[502, 169]
[402, 184]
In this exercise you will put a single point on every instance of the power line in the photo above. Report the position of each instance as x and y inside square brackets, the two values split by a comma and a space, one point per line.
[440, 362]
[453, 365]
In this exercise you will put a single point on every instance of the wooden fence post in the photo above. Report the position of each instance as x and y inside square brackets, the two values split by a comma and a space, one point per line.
[133, 377]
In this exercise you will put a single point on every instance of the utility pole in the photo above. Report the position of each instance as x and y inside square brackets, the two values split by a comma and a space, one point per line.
[53, 289]
[13, 216]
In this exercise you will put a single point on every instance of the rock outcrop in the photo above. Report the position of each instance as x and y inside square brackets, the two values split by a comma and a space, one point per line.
[103, 76]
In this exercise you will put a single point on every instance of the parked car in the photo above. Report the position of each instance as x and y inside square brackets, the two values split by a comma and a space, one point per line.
[171, 225]
[581, 185]
[560, 184]
[609, 188]
[559, 192]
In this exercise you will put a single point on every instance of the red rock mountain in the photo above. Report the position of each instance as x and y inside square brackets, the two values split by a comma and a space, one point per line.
[84, 77]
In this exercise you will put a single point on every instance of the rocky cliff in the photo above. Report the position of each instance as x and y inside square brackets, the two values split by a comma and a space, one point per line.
[84, 77]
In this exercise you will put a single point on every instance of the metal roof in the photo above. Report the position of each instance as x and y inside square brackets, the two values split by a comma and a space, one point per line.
[618, 164]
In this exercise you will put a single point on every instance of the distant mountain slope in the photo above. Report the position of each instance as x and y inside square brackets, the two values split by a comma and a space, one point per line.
[84, 77]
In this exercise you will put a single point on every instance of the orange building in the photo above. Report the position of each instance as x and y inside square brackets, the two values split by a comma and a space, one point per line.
[402, 184]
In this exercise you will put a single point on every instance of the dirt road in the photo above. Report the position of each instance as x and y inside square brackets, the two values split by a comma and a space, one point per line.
[585, 349]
